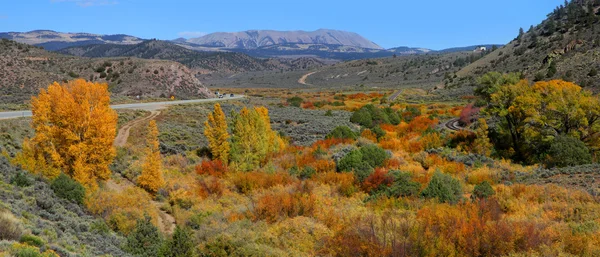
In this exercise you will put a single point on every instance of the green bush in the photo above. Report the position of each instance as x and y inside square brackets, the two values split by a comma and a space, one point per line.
[483, 190]
[67, 188]
[362, 117]
[350, 161]
[180, 245]
[21, 180]
[374, 155]
[370, 116]
[568, 151]
[342, 132]
[402, 186]
[379, 132]
[295, 101]
[32, 240]
[328, 113]
[444, 188]
[144, 240]
[362, 161]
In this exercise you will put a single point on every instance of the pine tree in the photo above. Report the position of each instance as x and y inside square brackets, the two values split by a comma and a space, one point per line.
[180, 245]
[151, 178]
[144, 240]
[215, 130]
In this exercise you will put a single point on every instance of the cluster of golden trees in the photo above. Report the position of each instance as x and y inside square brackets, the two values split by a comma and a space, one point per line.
[252, 139]
[75, 128]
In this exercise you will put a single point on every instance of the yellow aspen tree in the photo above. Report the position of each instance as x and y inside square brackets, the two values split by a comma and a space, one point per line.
[482, 144]
[151, 178]
[253, 138]
[74, 132]
[215, 130]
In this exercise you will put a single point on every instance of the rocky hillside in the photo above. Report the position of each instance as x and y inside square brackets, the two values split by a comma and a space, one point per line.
[258, 38]
[25, 69]
[564, 46]
[52, 40]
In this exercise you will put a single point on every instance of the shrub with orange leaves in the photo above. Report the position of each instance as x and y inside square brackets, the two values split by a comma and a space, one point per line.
[434, 162]
[211, 167]
[246, 182]
[379, 178]
[323, 165]
[308, 105]
[328, 143]
[368, 134]
[282, 204]
[210, 186]
[343, 181]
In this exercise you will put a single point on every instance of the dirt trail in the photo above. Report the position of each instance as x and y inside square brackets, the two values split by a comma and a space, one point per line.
[302, 80]
[166, 221]
[123, 133]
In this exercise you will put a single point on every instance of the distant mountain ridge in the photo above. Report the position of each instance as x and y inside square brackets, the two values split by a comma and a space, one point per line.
[323, 44]
[228, 62]
[253, 39]
[52, 40]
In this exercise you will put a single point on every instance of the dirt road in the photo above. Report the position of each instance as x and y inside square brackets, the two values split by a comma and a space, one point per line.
[302, 80]
[166, 221]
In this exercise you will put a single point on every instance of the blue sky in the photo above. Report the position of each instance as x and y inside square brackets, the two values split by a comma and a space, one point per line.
[434, 24]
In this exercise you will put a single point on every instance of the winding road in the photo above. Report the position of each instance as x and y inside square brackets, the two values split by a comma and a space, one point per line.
[151, 106]
[454, 125]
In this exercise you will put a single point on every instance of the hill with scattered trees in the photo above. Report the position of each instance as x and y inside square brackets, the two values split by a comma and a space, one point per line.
[24, 69]
[564, 46]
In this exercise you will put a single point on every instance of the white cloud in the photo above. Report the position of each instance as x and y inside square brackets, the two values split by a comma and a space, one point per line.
[87, 3]
[191, 34]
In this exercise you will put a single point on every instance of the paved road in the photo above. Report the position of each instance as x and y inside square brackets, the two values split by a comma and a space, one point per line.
[139, 106]
[454, 125]
[395, 95]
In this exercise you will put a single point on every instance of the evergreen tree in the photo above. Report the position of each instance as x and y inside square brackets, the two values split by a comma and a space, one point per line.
[180, 245]
[144, 240]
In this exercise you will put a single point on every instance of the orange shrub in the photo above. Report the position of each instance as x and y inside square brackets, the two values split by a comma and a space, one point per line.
[378, 178]
[322, 166]
[328, 143]
[213, 168]
[433, 162]
[276, 206]
[343, 181]
[246, 182]
[415, 146]
[392, 163]
[308, 105]
[368, 134]
[210, 186]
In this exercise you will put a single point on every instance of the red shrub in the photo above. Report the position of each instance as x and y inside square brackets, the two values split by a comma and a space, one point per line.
[468, 114]
[213, 168]
[378, 178]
